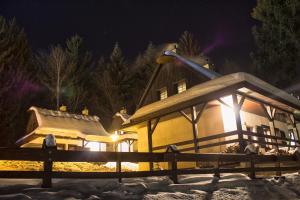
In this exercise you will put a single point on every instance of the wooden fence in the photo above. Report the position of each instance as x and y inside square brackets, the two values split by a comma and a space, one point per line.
[48, 156]
[247, 137]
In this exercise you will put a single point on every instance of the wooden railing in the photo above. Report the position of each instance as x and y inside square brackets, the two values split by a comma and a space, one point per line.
[48, 156]
[231, 141]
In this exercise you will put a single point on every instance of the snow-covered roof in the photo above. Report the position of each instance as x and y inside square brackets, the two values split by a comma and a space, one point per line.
[244, 82]
[69, 125]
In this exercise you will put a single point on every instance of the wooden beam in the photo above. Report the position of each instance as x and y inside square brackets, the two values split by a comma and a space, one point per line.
[195, 128]
[238, 122]
[224, 103]
[150, 142]
[154, 125]
[266, 111]
[200, 112]
[185, 116]
[241, 102]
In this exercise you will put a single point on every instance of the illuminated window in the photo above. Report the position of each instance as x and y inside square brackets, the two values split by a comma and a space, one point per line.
[181, 86]
[125, 147]
[102, 146]
[163, 93]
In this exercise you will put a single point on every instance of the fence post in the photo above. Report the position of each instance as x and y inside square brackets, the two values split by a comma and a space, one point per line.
[47, 179]
[277, 165]
[174, 168]
[252, 167]
[217, 171]
[119, 167]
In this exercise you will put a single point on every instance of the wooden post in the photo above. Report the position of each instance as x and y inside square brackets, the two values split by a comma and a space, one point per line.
[150, 142]
[174, 169]
[195, 128]
[217, 168]
[277, 165]
[119, 167]
[239, 129]
[47, 180]
[252, 167]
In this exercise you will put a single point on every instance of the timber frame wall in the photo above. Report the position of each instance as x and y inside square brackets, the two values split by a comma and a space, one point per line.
[237, 105]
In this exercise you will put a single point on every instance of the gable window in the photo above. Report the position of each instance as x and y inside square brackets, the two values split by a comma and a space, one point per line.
[163, 93]
[181, 86]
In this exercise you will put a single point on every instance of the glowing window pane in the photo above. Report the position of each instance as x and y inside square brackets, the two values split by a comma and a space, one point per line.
[102, 146]
[163, 93]
[93, 146]
[124, 147]
[181, 86]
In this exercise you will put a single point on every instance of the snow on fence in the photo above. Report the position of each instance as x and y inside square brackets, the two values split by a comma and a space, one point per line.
[48, 156]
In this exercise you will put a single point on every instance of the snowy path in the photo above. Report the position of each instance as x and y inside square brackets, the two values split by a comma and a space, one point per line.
[230, 186]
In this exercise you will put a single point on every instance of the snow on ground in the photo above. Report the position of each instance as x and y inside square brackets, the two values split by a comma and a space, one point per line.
[230, 186]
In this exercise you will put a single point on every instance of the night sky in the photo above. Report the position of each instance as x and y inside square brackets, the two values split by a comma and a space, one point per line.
[223, 28]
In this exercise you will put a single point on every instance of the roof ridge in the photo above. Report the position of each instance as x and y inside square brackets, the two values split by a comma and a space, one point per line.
[57, 113]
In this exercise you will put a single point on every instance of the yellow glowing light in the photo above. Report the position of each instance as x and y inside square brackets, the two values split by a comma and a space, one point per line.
[228, 114]
[114, 137]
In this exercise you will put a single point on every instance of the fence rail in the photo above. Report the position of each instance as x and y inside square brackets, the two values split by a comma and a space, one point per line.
[48, 156]
[232, 141]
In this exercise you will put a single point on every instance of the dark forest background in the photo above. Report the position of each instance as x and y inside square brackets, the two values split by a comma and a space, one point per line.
[70, 74]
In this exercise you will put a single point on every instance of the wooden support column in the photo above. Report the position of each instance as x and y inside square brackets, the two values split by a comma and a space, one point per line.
[195, 128]
[194, 119]
[239, 129]
[151, 129]
[270, 113]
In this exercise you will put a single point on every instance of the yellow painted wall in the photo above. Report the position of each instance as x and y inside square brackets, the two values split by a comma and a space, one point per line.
[175, 128]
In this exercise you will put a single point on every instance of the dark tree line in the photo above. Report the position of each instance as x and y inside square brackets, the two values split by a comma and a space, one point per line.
[69, 74]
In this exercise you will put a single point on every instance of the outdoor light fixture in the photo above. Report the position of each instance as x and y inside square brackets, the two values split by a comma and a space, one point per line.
[114, 137]
[228, 115]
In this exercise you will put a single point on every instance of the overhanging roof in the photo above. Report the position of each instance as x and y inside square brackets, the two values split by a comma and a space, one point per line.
[243, 82]
[64, 124]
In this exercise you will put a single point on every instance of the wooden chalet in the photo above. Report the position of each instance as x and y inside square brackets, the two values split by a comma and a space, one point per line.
[203, 113]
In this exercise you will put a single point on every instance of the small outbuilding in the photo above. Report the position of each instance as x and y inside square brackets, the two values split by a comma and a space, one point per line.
[72, 131]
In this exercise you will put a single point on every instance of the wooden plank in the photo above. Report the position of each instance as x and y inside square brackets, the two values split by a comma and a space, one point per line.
[97, 175]
[269, 143]
[185, 116]
[217, 136]
[218, 143]
[28, 154]
[268, 136]
[22, 174]
[202, 139]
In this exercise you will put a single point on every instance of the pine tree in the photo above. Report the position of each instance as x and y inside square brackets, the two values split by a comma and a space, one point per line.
[277, 39]
[80, 61]
[14, 48]
[188, 45]
[112, 81]
[143, 68]
[15, 63]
